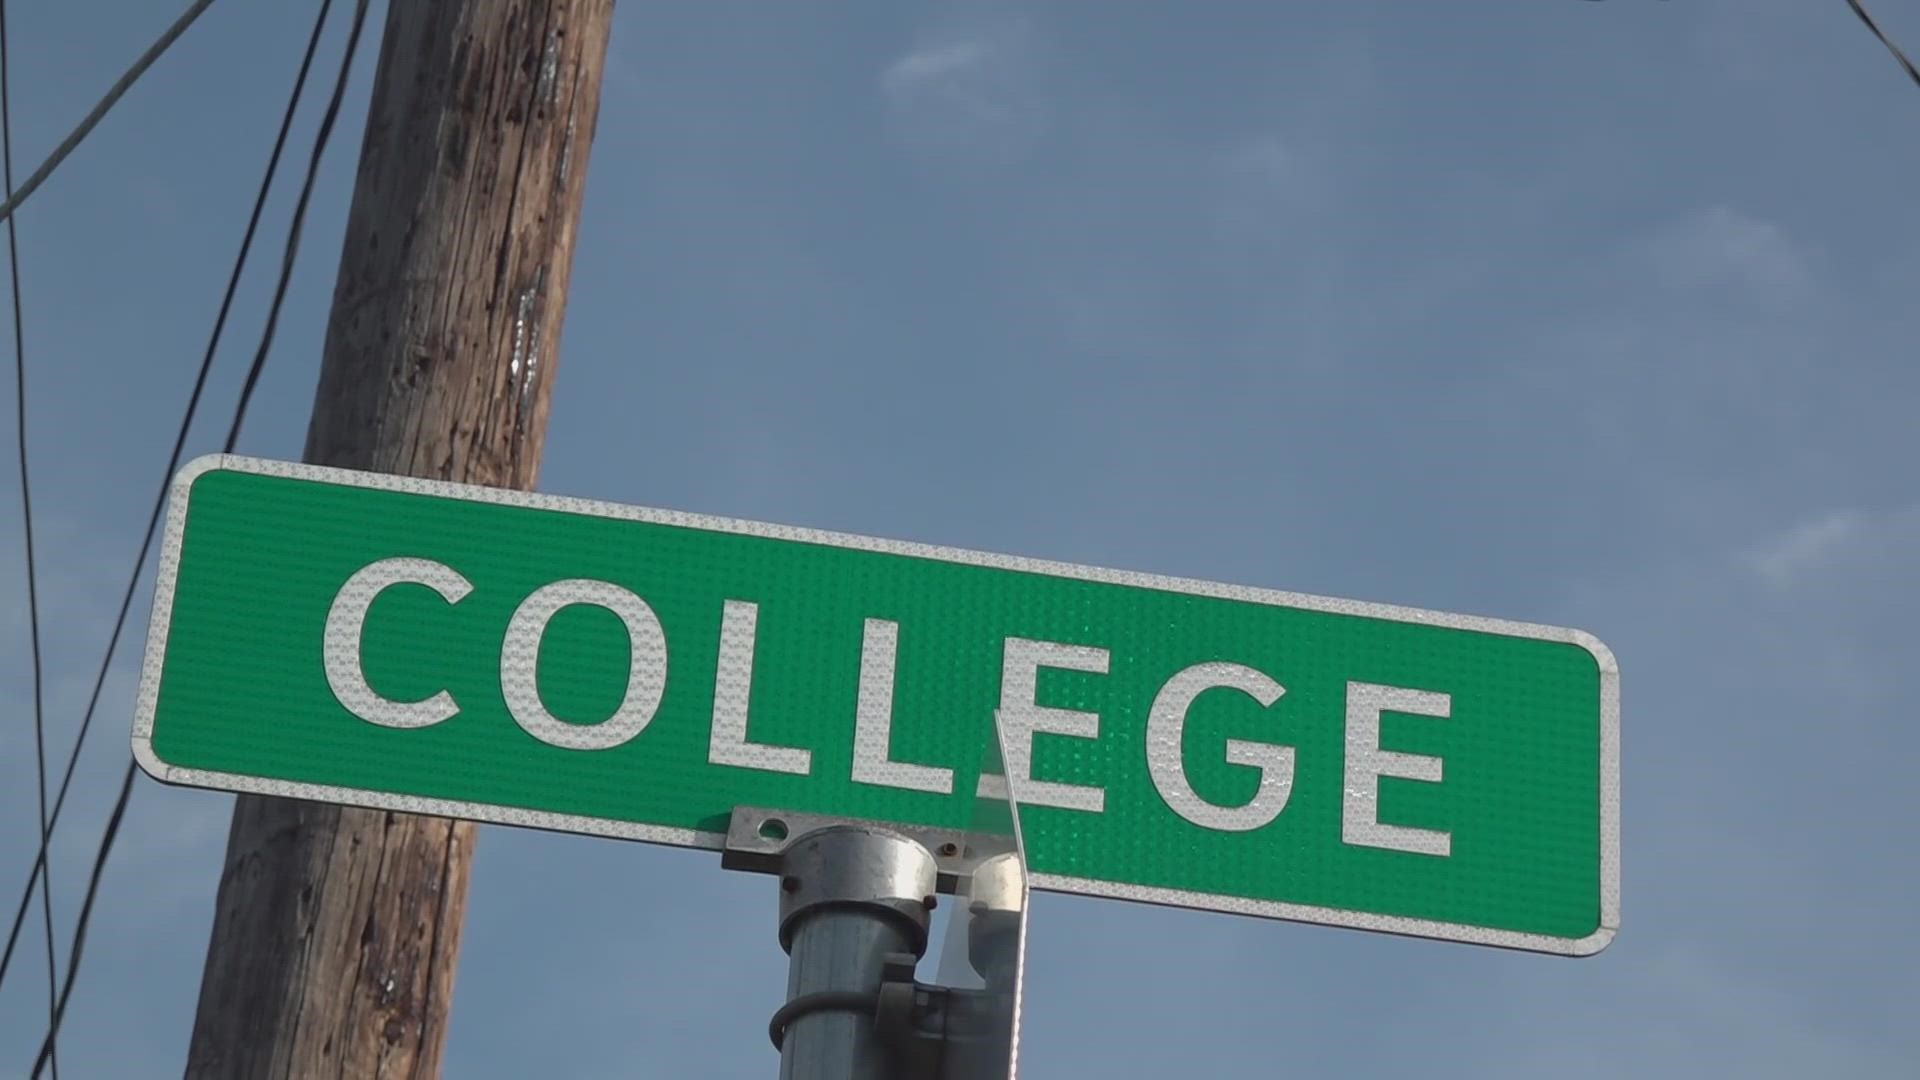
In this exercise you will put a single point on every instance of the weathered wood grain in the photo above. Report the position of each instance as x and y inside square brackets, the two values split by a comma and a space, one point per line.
[336, 929]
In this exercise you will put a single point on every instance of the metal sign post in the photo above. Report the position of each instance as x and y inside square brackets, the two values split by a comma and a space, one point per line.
[851, 899]
[856, 900]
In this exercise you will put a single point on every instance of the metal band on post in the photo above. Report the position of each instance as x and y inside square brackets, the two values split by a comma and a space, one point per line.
[852, 1001]
[855, 906]
[851, 897]
[876, 870]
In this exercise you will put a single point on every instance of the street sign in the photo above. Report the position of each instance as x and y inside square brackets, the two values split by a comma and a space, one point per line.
[563, 664]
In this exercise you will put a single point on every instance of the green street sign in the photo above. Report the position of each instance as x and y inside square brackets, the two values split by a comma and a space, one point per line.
[550, 662]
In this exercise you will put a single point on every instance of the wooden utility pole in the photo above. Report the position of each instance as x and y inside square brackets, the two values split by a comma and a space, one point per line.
[336, 929]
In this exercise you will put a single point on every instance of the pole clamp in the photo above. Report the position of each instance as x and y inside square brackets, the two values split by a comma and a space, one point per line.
[853, 1001]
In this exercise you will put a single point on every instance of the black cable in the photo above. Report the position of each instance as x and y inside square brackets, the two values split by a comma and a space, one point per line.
[105, 851]
[26, 519]
[173, 463]
[92, 118]
[1860, 10]
[864, 1002]
[293, 231]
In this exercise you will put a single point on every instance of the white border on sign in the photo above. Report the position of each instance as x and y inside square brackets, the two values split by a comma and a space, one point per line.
[165, 580]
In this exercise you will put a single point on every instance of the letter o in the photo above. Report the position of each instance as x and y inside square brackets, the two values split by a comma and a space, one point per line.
[520, 658]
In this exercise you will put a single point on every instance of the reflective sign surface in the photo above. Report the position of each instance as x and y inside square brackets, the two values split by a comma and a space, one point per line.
[563, 664]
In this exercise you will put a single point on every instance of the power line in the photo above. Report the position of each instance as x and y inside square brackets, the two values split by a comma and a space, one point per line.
[1860, 10]
[26, 519]
[173, 462]
[321, 138]
[86, 125]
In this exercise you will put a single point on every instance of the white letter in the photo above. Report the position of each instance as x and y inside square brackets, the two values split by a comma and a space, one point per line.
[873, 719]
[732, 685]
[1020, 718]
[1366, 763]
[520, 657]
[1167, 723]
[340, 647]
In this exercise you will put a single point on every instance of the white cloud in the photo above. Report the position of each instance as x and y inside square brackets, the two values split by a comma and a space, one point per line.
[968, 95]
[1866, 553]
[922, 68]
[1271, 175]
[1265, 156]
[1782, 558]
[1721, 247]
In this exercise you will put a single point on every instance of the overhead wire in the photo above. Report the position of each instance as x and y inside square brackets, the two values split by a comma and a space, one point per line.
[173, 462]
[1900, 57]
[101, 108]
[26, 521]
[111, 833]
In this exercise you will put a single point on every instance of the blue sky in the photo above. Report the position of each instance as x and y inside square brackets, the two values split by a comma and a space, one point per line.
[1596, 314]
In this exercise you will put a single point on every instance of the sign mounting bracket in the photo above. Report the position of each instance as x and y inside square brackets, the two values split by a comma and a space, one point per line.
[856, 903]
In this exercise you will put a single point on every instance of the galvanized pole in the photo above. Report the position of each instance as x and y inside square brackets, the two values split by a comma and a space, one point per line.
[850, 896]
